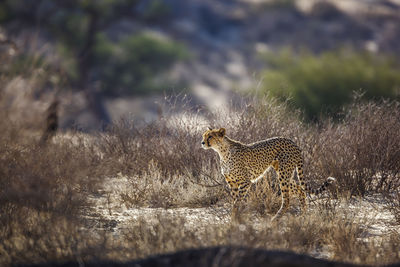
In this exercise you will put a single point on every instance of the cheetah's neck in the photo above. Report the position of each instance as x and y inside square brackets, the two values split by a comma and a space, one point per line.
[225, 147]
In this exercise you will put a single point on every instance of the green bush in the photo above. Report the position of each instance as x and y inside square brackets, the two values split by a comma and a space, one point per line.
[324, 84]
[156, 10]
[136, 63]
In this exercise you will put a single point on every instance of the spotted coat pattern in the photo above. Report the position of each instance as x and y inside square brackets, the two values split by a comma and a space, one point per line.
[242, 164]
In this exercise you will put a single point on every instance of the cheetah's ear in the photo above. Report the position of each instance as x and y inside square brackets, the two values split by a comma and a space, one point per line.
[209, 128]
[222, 132]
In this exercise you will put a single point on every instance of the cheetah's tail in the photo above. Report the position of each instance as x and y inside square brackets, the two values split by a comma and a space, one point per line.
[322, 188]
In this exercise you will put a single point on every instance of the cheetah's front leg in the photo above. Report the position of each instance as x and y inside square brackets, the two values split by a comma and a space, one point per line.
[239, 191]
[234, 188]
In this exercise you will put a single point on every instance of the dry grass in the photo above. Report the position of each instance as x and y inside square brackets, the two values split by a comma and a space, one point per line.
[362, 152]
[45, 191]
[314, 234]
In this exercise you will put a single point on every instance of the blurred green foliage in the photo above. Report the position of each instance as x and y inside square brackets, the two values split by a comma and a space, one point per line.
[23, 65]
[136, 63]
[277, 4]
[323, 84]
[81, 32]
[156, 10]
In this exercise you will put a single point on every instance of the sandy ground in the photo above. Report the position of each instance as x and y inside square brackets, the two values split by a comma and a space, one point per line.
[112, 215]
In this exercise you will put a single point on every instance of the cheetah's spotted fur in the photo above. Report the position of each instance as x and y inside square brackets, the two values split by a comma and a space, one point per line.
[242, 164]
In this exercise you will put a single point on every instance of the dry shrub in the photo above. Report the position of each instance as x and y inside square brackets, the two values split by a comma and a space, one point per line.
[264, 197]
[390, 247]
[335, 236]
[164, 161]
[53, 178]
[167, 235]
[151, 190]
[44, 190]
[363, 151]
[351, 242]
[174, 149]
[394, 205]
[256, 119]
[38, 237]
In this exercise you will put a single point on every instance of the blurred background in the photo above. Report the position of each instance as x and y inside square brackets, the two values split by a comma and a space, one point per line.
[110, 58]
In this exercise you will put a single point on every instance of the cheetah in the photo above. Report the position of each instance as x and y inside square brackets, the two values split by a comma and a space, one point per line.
[243, 164]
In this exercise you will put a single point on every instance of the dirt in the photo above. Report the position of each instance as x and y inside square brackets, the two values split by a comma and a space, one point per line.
[111, 214]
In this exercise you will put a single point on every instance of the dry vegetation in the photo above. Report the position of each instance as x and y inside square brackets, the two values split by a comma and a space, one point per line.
[48, 207]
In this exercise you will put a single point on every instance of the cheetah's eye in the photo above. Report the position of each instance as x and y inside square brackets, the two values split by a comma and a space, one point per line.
[209, 137]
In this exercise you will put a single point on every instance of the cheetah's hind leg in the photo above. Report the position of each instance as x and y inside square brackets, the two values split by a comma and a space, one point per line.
[284, 185]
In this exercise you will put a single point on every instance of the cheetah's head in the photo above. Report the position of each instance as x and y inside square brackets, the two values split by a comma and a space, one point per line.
[212, 137]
